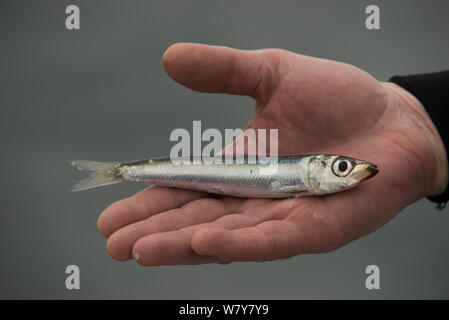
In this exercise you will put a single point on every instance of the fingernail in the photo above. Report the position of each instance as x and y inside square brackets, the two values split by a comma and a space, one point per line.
[136, 256]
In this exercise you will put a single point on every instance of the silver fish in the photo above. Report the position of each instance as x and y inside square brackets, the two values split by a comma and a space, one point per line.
[289, 176]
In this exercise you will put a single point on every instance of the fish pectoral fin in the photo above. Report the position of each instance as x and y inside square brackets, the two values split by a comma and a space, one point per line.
[289, 189]
[315, 186]
[217, 188]
[300, 194]
[210, 189]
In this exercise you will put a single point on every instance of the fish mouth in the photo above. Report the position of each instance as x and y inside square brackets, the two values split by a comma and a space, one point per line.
[371, 172]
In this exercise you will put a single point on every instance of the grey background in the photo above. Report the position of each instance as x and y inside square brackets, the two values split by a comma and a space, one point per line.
[101, 93]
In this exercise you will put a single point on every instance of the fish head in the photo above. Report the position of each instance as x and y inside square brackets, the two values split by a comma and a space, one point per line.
[339, 172]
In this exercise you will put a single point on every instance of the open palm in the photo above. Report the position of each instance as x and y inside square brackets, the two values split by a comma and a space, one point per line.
[318, 106]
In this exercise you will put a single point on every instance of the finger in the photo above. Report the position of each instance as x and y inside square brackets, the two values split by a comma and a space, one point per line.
[169, 248]
[220, 69]
[140, 206]
[120, 243]
[174, 248]
[269, 240]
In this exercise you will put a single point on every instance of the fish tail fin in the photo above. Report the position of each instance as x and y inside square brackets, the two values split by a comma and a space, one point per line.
[102, 174]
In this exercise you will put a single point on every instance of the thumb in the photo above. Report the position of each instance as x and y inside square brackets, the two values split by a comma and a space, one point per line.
[219, 69]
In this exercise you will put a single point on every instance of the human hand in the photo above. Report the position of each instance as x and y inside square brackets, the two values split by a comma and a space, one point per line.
[318, 106]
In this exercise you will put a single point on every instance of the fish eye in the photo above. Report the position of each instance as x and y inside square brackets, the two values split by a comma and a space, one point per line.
[342, 167]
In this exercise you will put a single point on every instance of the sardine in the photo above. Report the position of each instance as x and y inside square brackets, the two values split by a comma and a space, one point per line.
[289, 176]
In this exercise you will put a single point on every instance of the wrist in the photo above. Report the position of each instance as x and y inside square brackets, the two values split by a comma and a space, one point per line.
[438, 175]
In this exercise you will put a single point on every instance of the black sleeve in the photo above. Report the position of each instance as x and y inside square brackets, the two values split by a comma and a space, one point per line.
[432, 90]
